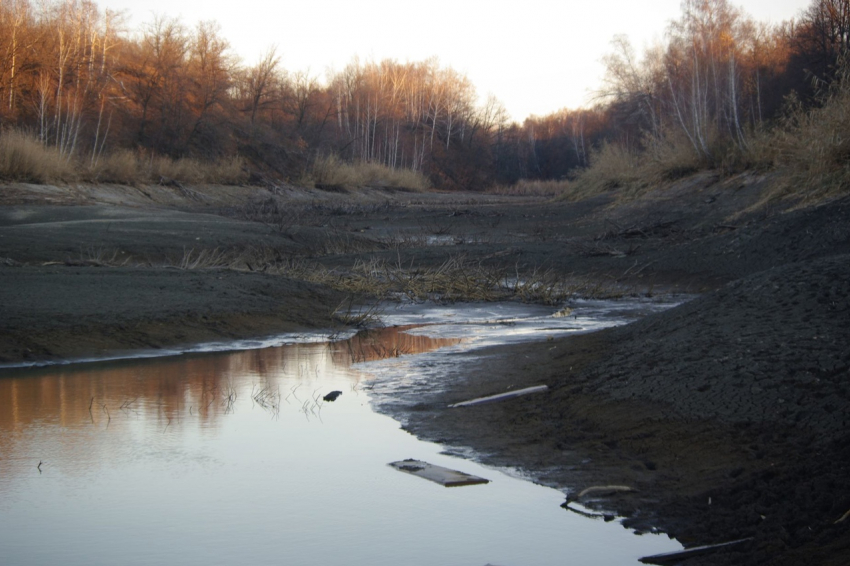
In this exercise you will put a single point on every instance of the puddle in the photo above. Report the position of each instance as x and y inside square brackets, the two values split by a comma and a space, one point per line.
[234, 457]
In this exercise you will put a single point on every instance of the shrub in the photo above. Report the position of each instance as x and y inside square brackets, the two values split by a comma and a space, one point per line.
[121, 167]
[24, 158]
[332, 171]
[612, 166]
[227, 171]
[670, 158]
[814, 143]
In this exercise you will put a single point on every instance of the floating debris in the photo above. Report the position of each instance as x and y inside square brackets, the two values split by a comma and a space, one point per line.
[438, 474]
[332, 396]
[502, 396]
[674, 557]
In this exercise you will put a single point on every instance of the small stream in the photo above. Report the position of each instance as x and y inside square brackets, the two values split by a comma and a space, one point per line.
[233, 457]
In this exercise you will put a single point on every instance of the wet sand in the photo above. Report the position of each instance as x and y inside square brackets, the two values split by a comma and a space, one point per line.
[728, 414]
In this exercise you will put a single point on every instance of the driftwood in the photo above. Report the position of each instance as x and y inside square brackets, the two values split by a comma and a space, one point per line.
[606, 489]
[675, 557]
[501, 396]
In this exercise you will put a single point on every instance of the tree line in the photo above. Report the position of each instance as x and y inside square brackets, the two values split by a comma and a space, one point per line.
[716, 81]
[74, 77]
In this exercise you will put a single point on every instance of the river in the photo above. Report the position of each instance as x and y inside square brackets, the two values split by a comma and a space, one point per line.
[234, 457]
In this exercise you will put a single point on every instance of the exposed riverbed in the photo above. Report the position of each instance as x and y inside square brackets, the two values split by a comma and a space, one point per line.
[234, 457]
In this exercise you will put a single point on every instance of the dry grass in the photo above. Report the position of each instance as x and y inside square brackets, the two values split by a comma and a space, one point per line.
[669, 159]
[810, 146]
[331, 171]
[121, 167]
[360, 316]
[632, 173]
[24, 158]
[612, 166]
[814, 145]
[457, 279]
[534, 187]
[228, 171]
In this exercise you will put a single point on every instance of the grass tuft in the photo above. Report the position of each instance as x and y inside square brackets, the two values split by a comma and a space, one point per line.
[24, 158]
[121, 167]
[332, 172]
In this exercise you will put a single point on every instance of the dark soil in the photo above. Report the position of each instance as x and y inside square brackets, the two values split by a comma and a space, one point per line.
[57, 313]
[729, 422]
[728, 415]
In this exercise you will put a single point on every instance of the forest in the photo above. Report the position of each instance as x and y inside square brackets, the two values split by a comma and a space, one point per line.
[720, 91]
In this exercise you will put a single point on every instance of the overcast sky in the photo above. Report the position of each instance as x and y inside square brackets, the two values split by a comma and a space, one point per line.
[535, 56]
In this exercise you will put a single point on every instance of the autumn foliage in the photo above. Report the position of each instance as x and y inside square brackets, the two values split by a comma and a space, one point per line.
[92, 96]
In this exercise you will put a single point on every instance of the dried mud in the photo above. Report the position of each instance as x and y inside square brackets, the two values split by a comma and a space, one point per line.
[728, 414]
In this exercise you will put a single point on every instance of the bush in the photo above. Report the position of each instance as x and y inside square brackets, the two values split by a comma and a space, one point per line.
[332, 171]
[121, 167]
[612, 166]
[814, 144]
[24, 158]
[670, 158]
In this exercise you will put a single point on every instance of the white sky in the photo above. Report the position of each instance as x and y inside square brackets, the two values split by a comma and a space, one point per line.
[536, 56]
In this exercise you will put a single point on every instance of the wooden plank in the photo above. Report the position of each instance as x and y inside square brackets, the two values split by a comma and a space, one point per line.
[675, 557]
[438, 474]
[501, 396]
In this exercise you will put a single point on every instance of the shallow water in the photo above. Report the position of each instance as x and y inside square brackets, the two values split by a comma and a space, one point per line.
[234, 458]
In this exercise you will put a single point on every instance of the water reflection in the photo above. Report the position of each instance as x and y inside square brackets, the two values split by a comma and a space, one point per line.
[234, 458]
[205, 387]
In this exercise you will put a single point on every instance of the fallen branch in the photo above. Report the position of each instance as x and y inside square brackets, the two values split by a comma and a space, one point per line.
[605, 488]
[501, 396]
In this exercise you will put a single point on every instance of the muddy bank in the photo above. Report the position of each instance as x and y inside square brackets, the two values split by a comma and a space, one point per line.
[60, 312]
[728, 415]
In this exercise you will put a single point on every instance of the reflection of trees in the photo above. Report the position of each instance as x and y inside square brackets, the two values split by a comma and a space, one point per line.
[196, 389]
[380, 344]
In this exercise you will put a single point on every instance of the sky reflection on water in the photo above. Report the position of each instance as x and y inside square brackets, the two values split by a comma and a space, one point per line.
[234, 458]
